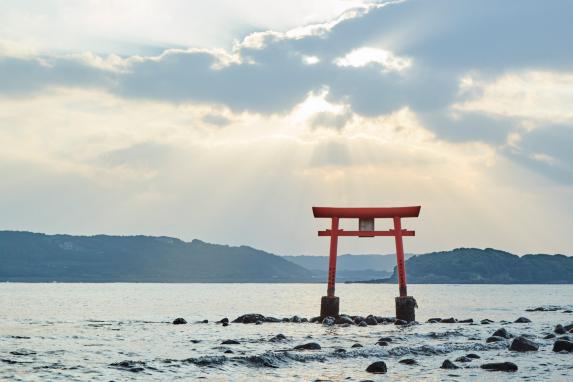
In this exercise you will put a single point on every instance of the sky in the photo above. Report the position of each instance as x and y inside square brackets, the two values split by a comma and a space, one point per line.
[227, 121]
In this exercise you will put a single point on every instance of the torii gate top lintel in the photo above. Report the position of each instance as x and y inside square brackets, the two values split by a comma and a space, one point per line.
[366, 212]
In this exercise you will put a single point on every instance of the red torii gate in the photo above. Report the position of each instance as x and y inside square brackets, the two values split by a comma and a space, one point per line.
[404, 304]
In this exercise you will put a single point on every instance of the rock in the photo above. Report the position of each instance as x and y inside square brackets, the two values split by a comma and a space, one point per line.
[228, 351]
[328, 321]
[378, 367]
[225, 324]
[249, 318]
[559, 329]
[466, 321]
[500, 366]
[386, 339]
[278, 338]
[272, 319]
[315, 319]
[549, 336]
[568, 311]
[230, 342]
[408, 361]
[304, 319]
[363, 324]
[179, 321]
[205, 321]
[563, 345]
[371, 320]
[259, 322]
[195, 341]
[450, 320]
[382, 343]
[345, 320]
[494, 339]
[447, 364]
[400, 322]
[463, 359]
[472, 355]
[308, 346]
[522, 344]
[286, 319]
[522, 320]
[568, 327]
[356, 346]
[224, 320]
[358, 319]
[434, 320]
[296, 319]
[486, 321]
[339, 350]
[502, 332]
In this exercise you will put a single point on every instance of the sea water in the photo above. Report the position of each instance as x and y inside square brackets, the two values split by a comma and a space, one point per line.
[123, 331]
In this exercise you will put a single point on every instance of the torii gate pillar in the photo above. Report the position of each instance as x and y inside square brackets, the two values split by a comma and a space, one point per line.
[405, 305]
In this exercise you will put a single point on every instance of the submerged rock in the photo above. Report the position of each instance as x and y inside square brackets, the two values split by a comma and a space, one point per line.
[500, 366]
[230, 342]
[308, 346]
[133, 366]
[278, 338]
[382, 343]
[408, 361]
[472, 355]
[250, 318]
[362, 324]
[549, 336]
[259, 322]
[400, 322]
[568, 327]
[225, 324]
[328, 321]
[434, 320]
[466, 321]
[563, 345]
[378, 367]
[387, 339]
[357, 319]
[229, 351]
[463, 359]
[344, 319]
[224, 320]
[315, 319]
[179, 321]
[371, 320]
[495, 339]
[450, 320]
[522, 344]
[559, 329]
[272, 319]
[447, 364]
[502, 332]
[522, 320]
[356, 346]
[486, 321]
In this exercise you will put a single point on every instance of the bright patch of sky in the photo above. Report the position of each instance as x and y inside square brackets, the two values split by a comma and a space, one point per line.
[205, 119]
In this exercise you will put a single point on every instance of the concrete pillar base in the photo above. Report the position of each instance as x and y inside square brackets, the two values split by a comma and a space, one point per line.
[329, 306]
[405, 308]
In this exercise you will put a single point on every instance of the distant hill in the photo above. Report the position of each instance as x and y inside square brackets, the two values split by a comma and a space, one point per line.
[486, 266]
[35, 257]
[349, 267]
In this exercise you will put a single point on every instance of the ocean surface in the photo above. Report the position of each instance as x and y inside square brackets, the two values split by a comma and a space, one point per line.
[123, 332]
